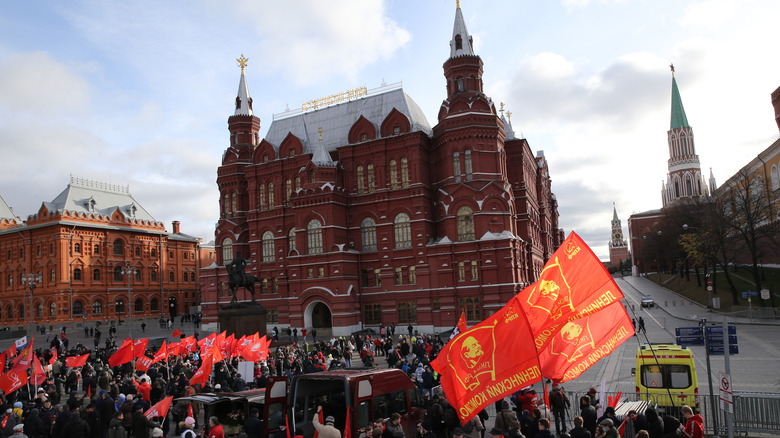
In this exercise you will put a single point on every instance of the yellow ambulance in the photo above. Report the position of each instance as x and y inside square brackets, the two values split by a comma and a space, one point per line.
[666, 376]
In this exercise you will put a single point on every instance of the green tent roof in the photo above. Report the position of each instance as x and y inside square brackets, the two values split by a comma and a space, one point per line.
[678, 112]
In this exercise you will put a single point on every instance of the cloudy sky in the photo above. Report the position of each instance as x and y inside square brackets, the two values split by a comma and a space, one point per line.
[138, 93]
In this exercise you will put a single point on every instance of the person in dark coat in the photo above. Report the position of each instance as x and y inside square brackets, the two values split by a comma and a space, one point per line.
[655, 425]
[253, 426]
[47, 415]
[61, 421]
[33, 425]
[7, 422]
[142, 426]
[76, 428]
[579, 431]
[105, 409]
[92, 417]
[588, 414]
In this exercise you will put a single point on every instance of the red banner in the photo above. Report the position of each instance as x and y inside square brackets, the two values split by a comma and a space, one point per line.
[160, 409]
[53, 356]
[76, 361]
[573, 284]
[39, 374]
[123, 355]
[139, 347]
[162, 353]
[582, 342]
[24, 360]
[176, 334]
[473, 371]
[13, 380]
[204, 372]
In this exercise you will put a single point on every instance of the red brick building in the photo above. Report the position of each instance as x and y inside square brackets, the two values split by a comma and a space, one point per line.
[81, 245]
[361, 213]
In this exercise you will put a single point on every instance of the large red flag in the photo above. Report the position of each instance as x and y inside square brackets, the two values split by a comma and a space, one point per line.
[123, 355]
[473, 371]
[175, 348]
[13, 380]
[11, 352]
[76, 361]
[255, 351]
[204, 372]
[162, 353]
[189, 343]
[573, 284]
[582, 342]
[143, 363]
[160, 409]
[39, 375]
[206, 343]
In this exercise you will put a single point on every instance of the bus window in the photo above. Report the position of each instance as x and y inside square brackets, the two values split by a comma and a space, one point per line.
[399, 402]
[680, 376]
[671, 376]
[326, 393]
[382, 406]
[275, 415]
[416, 399]
[362, 415]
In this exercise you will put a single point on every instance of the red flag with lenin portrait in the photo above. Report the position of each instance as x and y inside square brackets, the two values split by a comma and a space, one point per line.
[584, 341]
[573, 284]
[473, 371]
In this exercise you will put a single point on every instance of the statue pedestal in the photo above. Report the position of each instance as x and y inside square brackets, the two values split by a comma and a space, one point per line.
[243, 320]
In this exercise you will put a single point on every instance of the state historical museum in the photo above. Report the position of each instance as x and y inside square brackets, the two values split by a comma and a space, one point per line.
[359, 213]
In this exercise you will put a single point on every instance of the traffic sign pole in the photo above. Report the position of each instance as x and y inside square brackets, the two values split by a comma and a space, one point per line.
[727, 369]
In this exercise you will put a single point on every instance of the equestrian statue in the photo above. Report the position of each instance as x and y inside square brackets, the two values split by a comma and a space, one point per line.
[237, 277]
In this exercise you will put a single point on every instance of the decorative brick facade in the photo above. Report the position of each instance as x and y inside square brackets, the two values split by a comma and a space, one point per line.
[360, 214]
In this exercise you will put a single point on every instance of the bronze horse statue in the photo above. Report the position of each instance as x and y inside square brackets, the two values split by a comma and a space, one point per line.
[237, 279]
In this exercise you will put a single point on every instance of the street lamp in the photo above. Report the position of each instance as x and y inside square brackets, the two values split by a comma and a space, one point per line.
[128, 271]
[31, 280]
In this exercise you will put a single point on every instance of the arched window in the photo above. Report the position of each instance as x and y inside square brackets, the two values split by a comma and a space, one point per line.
[137, 274]
[77, 248]
[119, 247]
[456, 166]
[139, 305]
[20, 312]
[393, 174]
[227, 250]
[371, 178]
[404, 172]
[185, 276]
[97, 308]
[314, 236]
[153, 275]
[465, 218]
[77, 274]
[403, 232]
[261, 196]
[39, 311]
[688, 187]
[467, 164]
[118, 274]
[775, 177]
[297, 183]
[226, 204]
[171, 276]
[52, 309]
[96, 275]
[9, 312]
[361, 183]
[119, 306]
[154, 305]
[291, 240]
[78, 307]
[234, 205]
[368, 235]
[268, 247]
[287, 190]
[270, 195]
[52, 275]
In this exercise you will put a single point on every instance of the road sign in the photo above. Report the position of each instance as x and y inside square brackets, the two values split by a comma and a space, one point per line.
[688, 331]
[718, 340]
[748, 294]
[765, 294]
[690, 340]
[718, 349]
[726, 393]
[717, 330]
[709, 288]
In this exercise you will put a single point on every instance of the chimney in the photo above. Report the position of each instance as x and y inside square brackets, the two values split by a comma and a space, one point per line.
[776, 105]
[176, 227]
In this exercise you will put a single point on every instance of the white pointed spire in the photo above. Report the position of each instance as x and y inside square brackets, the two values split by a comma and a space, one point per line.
[461, 43]
[243, 100]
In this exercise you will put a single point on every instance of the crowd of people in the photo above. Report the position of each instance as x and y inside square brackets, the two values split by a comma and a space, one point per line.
[100, 401]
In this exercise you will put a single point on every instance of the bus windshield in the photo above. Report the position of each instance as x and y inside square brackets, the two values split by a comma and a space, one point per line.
[673, 376]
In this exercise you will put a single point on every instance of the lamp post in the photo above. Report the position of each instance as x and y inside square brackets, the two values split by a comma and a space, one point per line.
[31, 280]
[128, 271]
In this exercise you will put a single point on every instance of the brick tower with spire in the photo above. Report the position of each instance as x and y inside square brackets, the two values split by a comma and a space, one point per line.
[618, 247]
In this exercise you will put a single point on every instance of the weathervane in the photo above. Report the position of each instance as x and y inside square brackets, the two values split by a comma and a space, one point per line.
[501, 108]
[457, 4]
[509, 116]
[242, 62]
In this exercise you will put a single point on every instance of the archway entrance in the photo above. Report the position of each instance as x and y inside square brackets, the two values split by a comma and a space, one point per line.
[321, 316]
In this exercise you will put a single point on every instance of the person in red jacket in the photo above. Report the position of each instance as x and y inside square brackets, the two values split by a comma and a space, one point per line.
[145, 389]
[694, 423]
[215, 429]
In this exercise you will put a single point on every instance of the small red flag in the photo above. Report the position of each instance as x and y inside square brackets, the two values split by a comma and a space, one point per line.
[39, 375]
[24, 360]
[13, 380]
[123, 355]
[348, 426]
[190, 413]
[139, 347]
[76, 361]
[204, 372]
[160, 409]
[53, 356]
[162, 353]
[143, 363]
[176, 334]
